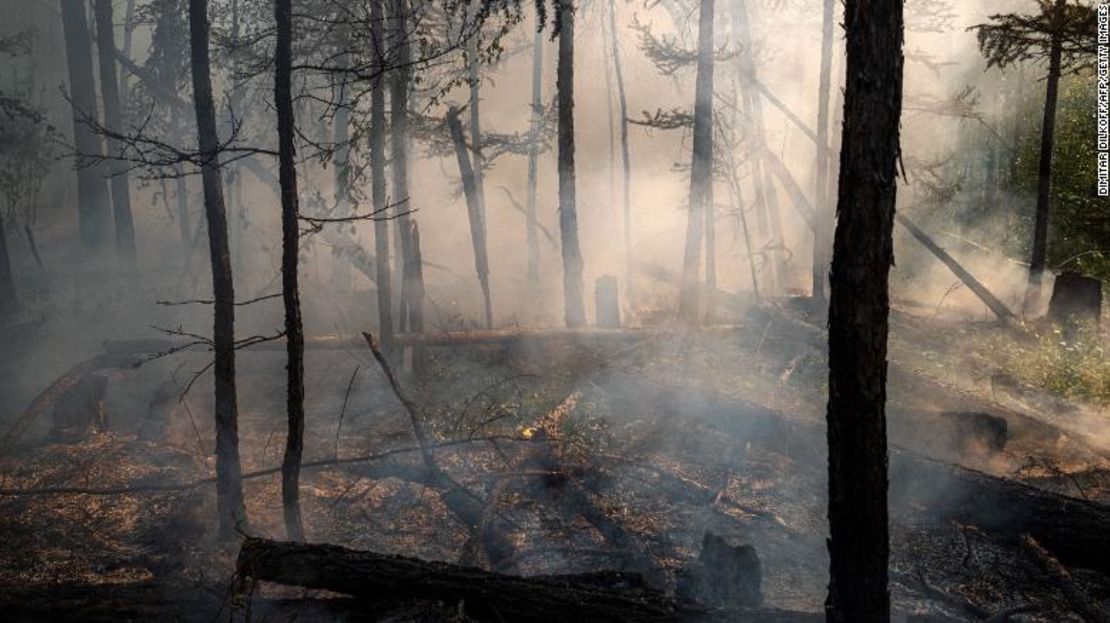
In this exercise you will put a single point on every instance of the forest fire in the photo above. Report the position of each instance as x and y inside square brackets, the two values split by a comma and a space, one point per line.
[281, 342]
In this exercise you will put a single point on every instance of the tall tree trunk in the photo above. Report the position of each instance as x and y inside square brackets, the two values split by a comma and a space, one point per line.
[8, 301]
[533, 158]
[475, 77]
[341, 271]
[113, 118]
[473, 209]
[399, 109]
[1044, 170]
[626, 164]
[93, 203]
[768, 215]
[822, 218]
[229, 486]
[290, 235]
[574, 308]
[859, 306]
[377, 179]
[128, 39]
[701, 168]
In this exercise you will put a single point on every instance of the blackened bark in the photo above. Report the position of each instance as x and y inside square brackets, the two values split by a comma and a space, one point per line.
[475, 78]
[859, 307]
[823, 217]
[533, 158]
[473, 209]
[229, 486]
[290, 235]
[399, 115]
[377, 180]
[8, 301]
[626, 163]
[574, 308]
[1044, 169]
[93, 203]
[701, 168]
[113, 118]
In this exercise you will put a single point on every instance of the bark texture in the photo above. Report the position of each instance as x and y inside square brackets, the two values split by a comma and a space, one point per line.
[574, 308]
[229, 486]
[859, 307]
[290, 236]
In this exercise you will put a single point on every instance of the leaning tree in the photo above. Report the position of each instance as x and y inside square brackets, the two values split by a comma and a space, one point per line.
[1061, 33]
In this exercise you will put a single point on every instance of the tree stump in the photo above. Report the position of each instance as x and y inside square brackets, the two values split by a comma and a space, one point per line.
[1076, 299]
[724, 575]
[607, 299]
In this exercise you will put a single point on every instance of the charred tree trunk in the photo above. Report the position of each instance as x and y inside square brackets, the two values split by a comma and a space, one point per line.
[377, 180]
[626, 164]
[475, 78]
[474, 210]
[1044, 169]
[8, 301]
[229, 487]
[822, 219]
[290, 235]
[113, 118]
[574, 308]
[701, 168]
[859, 308]
[399, 115]
[341, 271]
[93, 203]
[533, 158]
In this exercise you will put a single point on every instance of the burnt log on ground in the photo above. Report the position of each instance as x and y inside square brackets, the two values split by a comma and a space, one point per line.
[1075, 299]
[1076, 531]
[606, 596]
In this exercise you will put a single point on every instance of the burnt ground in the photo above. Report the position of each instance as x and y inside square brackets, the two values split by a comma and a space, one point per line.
[666, 439]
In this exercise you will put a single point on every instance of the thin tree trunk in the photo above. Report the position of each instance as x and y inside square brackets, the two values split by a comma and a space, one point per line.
[377, 180]
[229, 486]
[768, 215]
[1044, 170]
[574, 308]
[128, 38]
[533, 158]
[113, 118]
[8, 301]
[626, 163]
[416, 300]
[701, 168]
[341, 271]
[473, 209]
[859, 308]
[93, 203]
[475, 77]
[820, 199]
[399, 103]
[290, 235]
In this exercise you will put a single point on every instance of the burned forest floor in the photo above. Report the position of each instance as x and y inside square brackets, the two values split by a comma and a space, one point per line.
[583, 455]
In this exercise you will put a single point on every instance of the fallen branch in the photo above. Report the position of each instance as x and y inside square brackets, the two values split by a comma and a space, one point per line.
[606, 596]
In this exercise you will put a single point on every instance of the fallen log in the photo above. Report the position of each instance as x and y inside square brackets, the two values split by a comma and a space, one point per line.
[60, 386]
[1075, 531]
[970, 281]
[606, 596]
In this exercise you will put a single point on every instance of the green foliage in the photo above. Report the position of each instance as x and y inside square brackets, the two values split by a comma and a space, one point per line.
[1076, 368]
[1079, 222]
[1014, 37]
